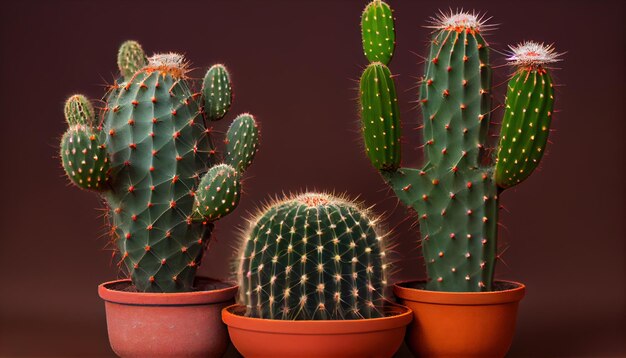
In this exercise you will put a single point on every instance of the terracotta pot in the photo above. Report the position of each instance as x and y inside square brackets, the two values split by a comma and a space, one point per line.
[260, 338]
[461, 324]
[184, 324]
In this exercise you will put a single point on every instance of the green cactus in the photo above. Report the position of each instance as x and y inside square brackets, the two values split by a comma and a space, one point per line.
[528, 113]
[456, 192]
[379, 36]
[313, 257]
[84, 157]
[218, 193]
[153, 159]
[217, 92]
[242, 142]
[78, 110]
[381, 117]
[130, 59]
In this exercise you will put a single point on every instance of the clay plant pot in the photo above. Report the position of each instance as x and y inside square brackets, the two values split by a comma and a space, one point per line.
[265, 338]
[460, 324]
[184, 324]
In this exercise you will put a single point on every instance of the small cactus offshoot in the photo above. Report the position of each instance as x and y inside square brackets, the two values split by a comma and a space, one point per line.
[455, 194]
[130, 59]
[313, 257]
[152, 158]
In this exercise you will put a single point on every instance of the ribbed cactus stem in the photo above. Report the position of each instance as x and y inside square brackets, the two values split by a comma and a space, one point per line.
[313, 256]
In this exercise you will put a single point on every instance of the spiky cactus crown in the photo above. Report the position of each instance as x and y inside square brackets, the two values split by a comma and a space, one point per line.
[455, 193]
[460, 20]
[530, 54]
[152, 158]
[170, 63]
[313, 256]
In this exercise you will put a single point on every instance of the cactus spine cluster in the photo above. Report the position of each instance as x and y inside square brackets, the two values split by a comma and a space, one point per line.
[455, 194]
[152, 158]
[313, 256]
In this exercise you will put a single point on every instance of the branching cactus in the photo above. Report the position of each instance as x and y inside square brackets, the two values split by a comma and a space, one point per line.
[313, 256]
[455, 193]
[151, 156]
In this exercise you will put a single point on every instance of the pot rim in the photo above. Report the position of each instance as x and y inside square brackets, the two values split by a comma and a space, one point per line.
[318, 327]
[109, 294]
[459, 298]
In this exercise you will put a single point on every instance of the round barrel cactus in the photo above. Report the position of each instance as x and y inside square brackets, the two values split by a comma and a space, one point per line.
[313, 257]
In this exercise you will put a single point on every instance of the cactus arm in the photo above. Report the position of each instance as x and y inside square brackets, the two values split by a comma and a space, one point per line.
[84, 158]
[217, 92]
[380, 117]
[377, 32]
[83, 152]
[79, 110]
[218, 193]
[130, 59]
[525, 125]
[242, 142]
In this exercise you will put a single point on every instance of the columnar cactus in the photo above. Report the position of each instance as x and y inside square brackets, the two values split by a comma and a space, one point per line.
[455, 194]
[313, 256]
[152, 158]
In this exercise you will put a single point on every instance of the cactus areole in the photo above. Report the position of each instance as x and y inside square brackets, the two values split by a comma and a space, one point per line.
[152, 158]
[455, 194]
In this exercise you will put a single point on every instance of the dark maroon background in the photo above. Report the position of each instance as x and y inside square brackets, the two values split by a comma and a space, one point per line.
[294, 65]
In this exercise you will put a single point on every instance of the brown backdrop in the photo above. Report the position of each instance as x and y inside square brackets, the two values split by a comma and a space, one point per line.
[294, 65]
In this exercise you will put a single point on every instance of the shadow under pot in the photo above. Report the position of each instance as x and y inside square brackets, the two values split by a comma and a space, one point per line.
[264, 338]
[186, 324]
[460, 324]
